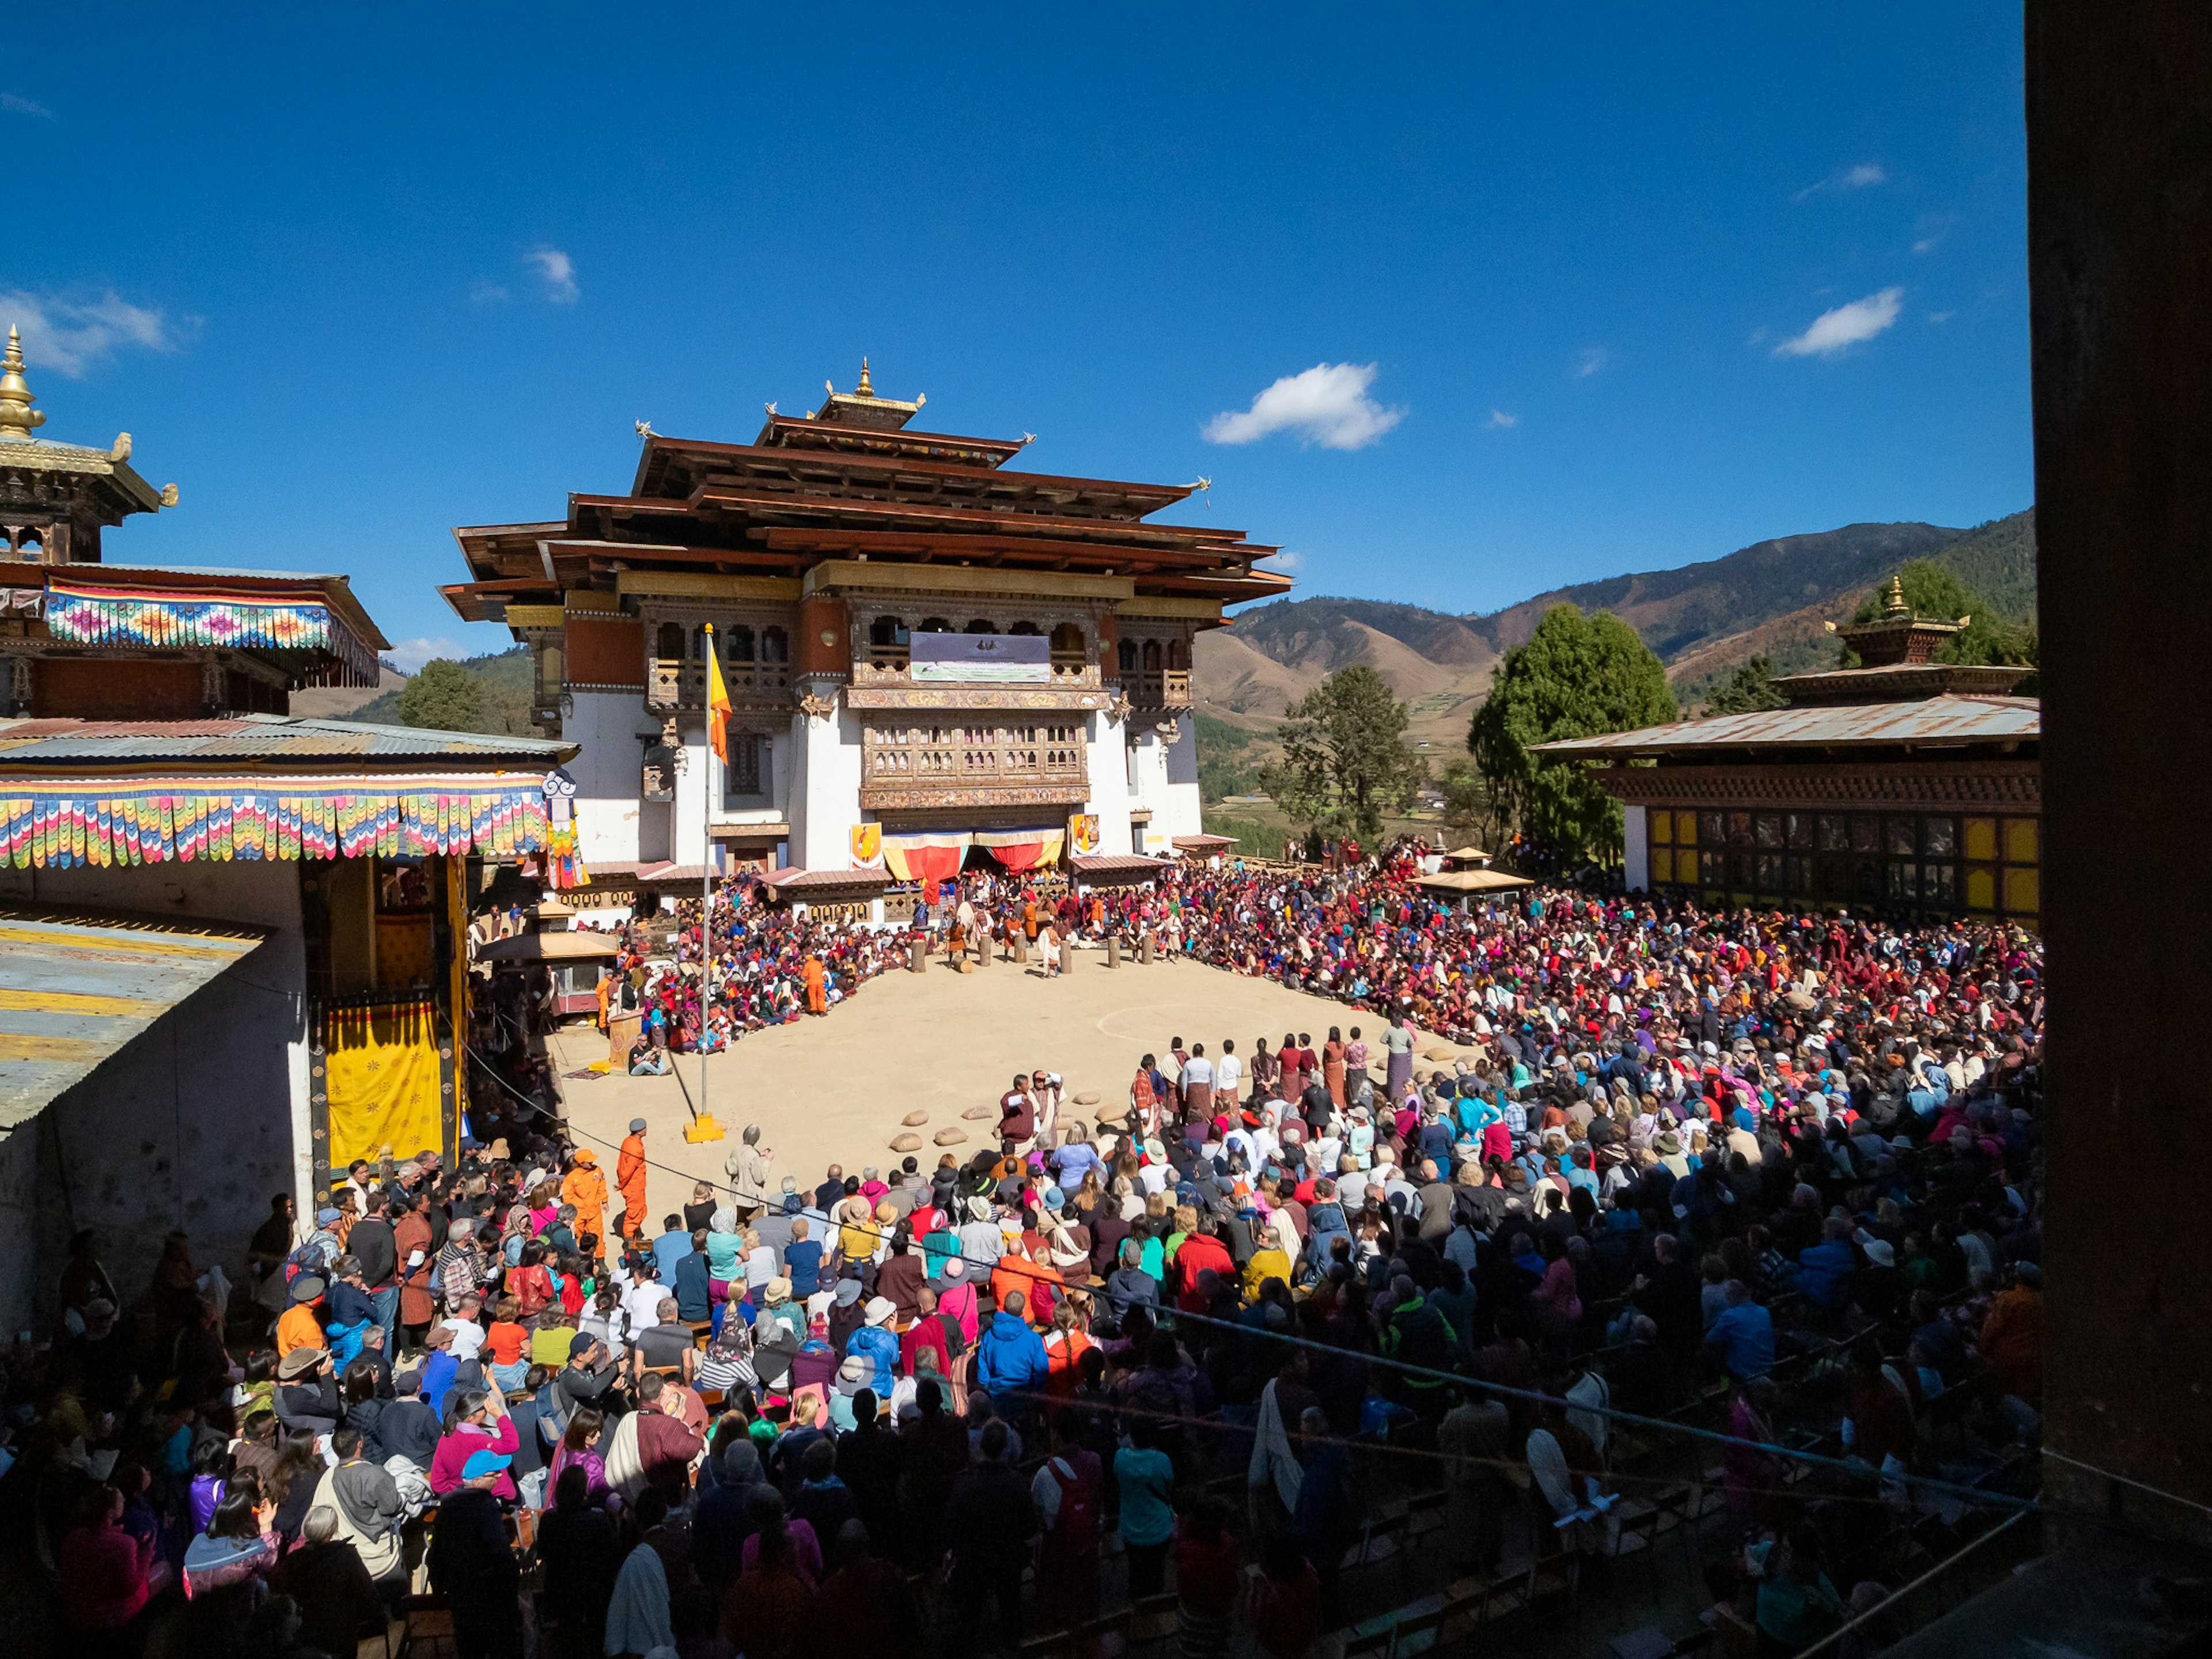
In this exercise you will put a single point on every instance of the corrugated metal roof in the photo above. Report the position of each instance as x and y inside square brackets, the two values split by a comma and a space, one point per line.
[1471, 881]
[1928, 722]
[788, 880]
[259, 737]
[77, 987]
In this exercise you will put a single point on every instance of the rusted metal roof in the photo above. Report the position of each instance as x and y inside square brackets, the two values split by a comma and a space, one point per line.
[78, 987]
[1117, 864]
[794, 880]
[1471, 881]
[584, 946]
[1950, 721]
[258, 737]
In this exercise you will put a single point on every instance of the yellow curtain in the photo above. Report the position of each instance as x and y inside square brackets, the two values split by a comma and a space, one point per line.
[382, 1081]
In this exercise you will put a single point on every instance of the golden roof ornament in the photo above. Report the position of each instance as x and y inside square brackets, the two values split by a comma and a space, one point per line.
[863, 390]
[18, 420]
[1894, 606]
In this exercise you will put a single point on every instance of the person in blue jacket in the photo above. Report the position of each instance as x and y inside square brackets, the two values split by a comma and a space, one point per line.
[1011, 1363]
[878, 1344]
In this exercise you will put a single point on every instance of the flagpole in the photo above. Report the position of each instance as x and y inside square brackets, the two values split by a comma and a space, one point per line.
[704, 1127]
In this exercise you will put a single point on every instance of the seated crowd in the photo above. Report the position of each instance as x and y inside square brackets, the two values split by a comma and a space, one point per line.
[1775, 1176]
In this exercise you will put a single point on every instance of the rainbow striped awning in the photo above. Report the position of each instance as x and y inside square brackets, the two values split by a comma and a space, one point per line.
[303, 621]
[155, 821]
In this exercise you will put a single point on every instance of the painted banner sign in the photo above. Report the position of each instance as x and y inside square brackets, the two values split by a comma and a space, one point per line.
[996, 659]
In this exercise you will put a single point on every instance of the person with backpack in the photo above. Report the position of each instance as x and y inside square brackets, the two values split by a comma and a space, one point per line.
[1069, 1492]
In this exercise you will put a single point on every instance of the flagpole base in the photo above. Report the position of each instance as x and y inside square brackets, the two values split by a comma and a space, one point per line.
[703, 1127]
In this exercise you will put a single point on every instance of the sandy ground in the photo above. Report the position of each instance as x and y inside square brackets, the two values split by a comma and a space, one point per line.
[835, 1088]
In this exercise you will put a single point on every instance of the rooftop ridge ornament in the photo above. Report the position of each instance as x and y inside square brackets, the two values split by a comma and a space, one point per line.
[18, 420]
[1894, 605]
[863, 390]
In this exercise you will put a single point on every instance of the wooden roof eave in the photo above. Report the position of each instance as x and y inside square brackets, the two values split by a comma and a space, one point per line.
[782, 455]
[488, 601]
[1004, 524]
[984, 549]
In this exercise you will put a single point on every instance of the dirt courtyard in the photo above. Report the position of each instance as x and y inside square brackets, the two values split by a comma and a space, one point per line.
[834, 1089]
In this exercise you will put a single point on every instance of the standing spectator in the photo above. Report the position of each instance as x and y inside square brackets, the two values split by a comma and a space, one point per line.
[1146, 1481]
[471, 1561]
[989, 1520]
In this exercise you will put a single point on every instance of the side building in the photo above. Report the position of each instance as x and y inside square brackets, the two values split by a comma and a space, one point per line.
[234, 938]
[932, 656]
[1904, 787]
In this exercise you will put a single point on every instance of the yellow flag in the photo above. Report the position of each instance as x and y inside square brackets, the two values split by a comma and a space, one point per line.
[718, 702]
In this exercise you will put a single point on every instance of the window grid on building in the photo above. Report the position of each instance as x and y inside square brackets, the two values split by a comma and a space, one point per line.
[1915, 864]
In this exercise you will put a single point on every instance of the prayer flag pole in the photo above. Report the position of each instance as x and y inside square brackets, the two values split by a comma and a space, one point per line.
[702, 1126]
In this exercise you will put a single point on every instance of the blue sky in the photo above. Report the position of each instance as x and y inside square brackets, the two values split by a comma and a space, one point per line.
[1554, 295]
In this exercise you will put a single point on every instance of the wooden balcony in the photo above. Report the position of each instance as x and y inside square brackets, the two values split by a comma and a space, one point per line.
[680, 686]
[1157, 688]
[1012, 765]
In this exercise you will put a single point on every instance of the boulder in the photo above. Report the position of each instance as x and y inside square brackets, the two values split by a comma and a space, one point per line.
[1439, 1054]
[978, 1114]
[1090, 1097]
[950, 1136]
[915, 1119]
[908, 1142]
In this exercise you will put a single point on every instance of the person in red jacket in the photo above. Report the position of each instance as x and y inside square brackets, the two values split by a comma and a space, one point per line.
[1198, 1252]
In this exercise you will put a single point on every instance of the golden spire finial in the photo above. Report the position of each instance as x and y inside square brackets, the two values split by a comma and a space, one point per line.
[863, 390]
[1894, 606]
[18, 420]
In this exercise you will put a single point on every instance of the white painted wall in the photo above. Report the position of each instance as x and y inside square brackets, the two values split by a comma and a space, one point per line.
[1636, 847]
[196, 1124]
[607, 806]
[1107, 758]
[1167, 782]
[825, 788]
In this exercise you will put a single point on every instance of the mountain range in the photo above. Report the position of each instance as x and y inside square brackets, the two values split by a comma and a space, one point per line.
[1769, 598]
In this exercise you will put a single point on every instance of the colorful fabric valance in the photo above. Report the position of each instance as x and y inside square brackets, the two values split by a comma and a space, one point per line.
[84, 614]
[933, 855]
[153, 821]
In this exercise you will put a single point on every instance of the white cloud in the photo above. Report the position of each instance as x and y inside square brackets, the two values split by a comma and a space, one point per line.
[1327, 404]
[1758, 335]
[1286, 563]
[1933, 228]
[1865, 175]
[71, 336]
[1941, 316]
[410, 655]
[1499, 419]
[488, 294]
[1593, 358]
[1846, 326]
[558, 271]
[15, 104]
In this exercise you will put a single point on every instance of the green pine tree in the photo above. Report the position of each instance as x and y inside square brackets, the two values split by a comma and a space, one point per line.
[443, 697]
[1344, 760]
[1577, 676]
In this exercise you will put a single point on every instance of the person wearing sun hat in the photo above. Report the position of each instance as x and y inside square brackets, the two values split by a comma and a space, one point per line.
[876, 1345]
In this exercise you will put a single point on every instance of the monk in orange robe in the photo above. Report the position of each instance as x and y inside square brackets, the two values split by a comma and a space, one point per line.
[818, 986]
[630, 1180]
[585, 1188]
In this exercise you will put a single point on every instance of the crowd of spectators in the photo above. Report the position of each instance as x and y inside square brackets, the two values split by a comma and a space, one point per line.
[1774, 1174]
